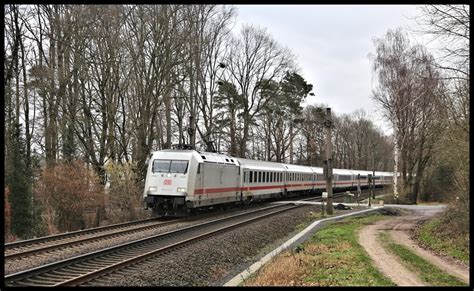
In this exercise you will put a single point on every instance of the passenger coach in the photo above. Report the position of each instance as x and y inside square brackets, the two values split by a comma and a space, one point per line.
[179, 181]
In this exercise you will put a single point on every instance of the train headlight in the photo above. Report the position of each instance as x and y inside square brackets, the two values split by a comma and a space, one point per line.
[181, 189]
[152, 189]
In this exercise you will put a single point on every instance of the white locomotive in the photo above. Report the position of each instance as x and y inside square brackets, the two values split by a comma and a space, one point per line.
[179, 181]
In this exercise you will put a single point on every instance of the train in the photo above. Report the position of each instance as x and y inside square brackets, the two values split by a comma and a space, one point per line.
[180, 182]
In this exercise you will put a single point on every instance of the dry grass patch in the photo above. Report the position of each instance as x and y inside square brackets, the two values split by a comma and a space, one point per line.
[332, 257]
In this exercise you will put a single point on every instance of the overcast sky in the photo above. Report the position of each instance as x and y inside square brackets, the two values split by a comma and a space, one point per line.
[331, 44]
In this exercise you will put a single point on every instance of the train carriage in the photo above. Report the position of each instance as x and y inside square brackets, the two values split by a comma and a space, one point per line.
[319, 182]
[261, 180]
[179, 181]
[298, 178]
[343, 178]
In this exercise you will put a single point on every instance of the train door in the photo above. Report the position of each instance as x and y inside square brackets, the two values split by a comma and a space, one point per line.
[359, 191]
[199, 183]
[245, 182]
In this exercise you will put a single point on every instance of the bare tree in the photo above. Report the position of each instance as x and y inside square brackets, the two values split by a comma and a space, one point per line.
[255, 57]
[408, 91]
[450, 25]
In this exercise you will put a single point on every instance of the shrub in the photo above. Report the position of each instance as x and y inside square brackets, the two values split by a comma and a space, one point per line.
[67, 191]
[124, 200]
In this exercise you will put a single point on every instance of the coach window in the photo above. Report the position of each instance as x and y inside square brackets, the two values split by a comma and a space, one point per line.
[259, 177]
[250, 178]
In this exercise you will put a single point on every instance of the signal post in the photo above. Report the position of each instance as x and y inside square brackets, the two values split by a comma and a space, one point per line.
[328, 162]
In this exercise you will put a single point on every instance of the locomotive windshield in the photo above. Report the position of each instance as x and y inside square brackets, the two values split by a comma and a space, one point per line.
[170, 166]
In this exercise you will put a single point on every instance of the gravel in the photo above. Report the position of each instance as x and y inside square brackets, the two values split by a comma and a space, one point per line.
[13, 266]
[212, 261]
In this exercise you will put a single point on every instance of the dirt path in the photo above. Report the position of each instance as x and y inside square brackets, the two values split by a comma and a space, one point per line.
[386, 262]
[449, 266]
[389, 264]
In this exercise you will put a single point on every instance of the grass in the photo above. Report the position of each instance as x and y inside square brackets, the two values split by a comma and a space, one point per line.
[312, 216]
[425, 270]
[332, 257]
[434, 236]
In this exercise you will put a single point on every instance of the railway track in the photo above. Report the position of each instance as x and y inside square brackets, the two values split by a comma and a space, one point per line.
[83, 268]
[80, 269]
[26, 248]
[47, 245]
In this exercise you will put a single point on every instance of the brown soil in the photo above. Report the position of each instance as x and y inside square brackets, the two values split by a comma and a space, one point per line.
[389, 264]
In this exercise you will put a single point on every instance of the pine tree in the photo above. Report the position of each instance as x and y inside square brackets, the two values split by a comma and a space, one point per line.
[18, 179]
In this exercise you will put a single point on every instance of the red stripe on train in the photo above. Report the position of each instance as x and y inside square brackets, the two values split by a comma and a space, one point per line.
[232, 189]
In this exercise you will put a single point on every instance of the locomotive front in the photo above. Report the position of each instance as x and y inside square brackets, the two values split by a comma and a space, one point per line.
[170, 177]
